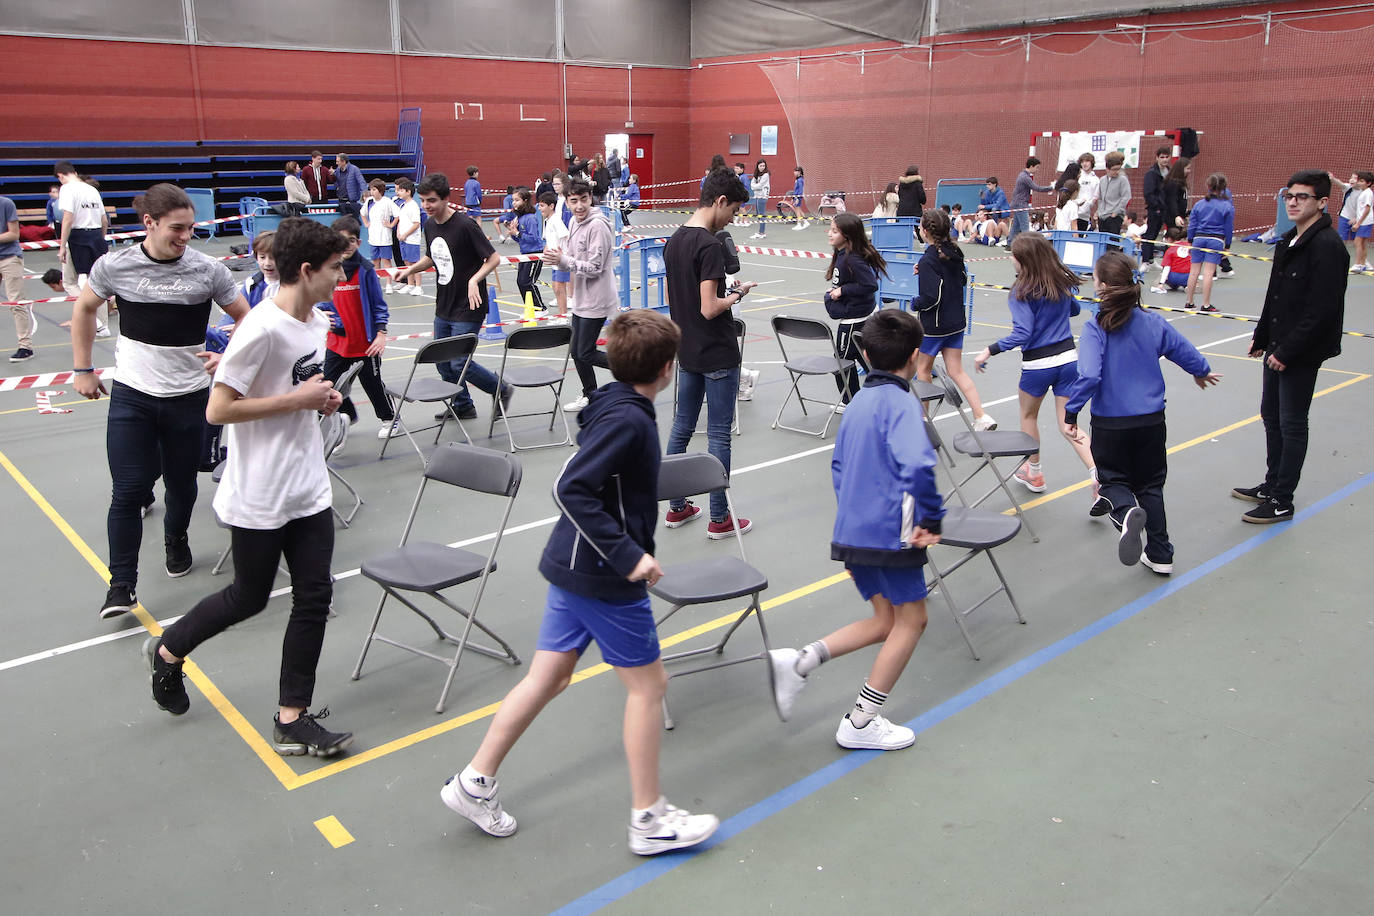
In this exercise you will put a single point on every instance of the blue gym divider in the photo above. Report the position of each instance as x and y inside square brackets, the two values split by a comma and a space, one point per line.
[892, 233]
[961, 191]
[900, 282]
[1080, 250]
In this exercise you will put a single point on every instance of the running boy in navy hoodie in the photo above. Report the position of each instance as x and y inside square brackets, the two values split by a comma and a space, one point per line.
[598, 561]
[883, 469]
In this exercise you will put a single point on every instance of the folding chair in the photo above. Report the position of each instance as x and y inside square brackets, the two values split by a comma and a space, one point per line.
[987, 446]
[429, 568]
[812, 364]
[429, 390]
[332, 430]
[711, 579]
[734, 426]
[536, 338]
[976, 531]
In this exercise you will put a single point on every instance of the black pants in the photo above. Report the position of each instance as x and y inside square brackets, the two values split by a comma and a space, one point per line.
[585, 354]
[1131, 467]
[527, 281]
[352, 208]
[148, 437]
[848, 382]
[1285, 399]
[1110, 224]
[370, 375]
[84, 247]
[308, 545]
[1154, 222]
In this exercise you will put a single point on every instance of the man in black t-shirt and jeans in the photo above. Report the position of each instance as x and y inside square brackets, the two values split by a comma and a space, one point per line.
[462, 256]
[708, 358]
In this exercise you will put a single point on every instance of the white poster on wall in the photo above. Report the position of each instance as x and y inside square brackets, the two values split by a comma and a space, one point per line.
[1073, 144]
[768, 140]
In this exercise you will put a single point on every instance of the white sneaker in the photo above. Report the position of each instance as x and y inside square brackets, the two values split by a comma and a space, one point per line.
[757, 235]
[787, 683]
[878, 735]
[102, 331]
[343, 437]
[416, 290]
[670, 828]
[1158, 289]
[806, 224]
[799, 227]
[1164, 569]
[575, 406]
[484, 810]
[390, 430]
[985, 423]
[390, 288]
[1226, 274]
[1002, 242]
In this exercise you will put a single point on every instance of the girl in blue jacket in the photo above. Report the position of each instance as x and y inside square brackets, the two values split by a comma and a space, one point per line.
[528, 230]
[942, 277]
[1210, 225]
[853, 277]
[1118, 370]
[1041, 302]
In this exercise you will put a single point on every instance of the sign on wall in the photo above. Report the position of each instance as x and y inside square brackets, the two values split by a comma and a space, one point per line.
[1073, 144]
[768, 140]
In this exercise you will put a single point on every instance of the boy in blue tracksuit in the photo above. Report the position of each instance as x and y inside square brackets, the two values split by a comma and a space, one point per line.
[630, 198]
[598, 561]
[1118, 370]
[993, 199]
[889, 512]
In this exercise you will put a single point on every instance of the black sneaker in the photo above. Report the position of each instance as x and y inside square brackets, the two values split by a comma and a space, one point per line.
[1210, 309]
[465, 413]
[1268, 512]
[1131, 544]
[168, 690]
[20, 355]
[120, 599]
[178, 556]
[307, 736]
[1251, 494]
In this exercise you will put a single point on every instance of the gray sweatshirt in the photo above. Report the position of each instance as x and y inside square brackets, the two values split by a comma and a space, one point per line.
[587, 254]
[1112, 195]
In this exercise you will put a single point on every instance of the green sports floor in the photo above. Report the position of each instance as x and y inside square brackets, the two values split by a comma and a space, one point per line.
[1199, 744]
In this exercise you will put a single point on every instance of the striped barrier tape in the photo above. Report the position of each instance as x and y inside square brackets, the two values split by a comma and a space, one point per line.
[21, 382]
[44, 402]
[120, 236]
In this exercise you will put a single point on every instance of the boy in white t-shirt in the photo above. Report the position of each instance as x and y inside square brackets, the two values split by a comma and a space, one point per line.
[275, 496]
[1363, 222]
[380, 218]
[408, 231]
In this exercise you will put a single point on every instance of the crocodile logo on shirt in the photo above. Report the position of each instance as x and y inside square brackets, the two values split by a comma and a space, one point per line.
[303, 370]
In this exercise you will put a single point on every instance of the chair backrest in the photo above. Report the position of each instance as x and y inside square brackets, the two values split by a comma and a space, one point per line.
[447, 349]
[933, 435]
[952, 396]
[332, 431]
[691, 474]
[801, 328]
[739, 327]
[345, 381]
[473, 468]
[539, 338]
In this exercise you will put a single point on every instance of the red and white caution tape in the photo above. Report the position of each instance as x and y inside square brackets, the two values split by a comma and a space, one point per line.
[784, 252]
[44, 399]
[119, 236]
[20, 382]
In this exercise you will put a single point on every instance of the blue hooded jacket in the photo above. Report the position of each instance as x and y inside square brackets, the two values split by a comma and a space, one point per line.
[375, 312]
[607, 494]
[883, 471]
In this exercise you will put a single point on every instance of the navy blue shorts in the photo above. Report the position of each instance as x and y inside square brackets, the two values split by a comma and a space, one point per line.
[1343, 227]
[898, 584]
[1036, 382]
[625, 632]
[1364, 232]
[930, 346]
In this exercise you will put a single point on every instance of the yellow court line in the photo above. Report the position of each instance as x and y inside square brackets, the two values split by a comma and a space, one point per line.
[1082, 484]
[336, 833]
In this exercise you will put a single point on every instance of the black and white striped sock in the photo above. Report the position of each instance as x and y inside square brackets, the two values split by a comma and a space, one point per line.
[868, 705]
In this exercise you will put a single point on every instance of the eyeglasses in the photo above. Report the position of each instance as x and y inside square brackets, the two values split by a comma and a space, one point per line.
[1301, 197]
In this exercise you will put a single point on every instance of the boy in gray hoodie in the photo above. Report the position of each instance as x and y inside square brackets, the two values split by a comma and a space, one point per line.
[587, 256]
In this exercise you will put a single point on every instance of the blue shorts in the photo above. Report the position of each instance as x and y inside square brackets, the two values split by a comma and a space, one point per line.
[474, 210]
[410, 253]
[898, 584]
[1176, 279]
[1343, 228]
[625, 632]
[562, 276]
[1365, 232]
[1036, 382]
[930, 346]
[1207, 250]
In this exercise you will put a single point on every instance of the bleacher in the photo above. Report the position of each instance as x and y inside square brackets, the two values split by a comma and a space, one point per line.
[232, 169]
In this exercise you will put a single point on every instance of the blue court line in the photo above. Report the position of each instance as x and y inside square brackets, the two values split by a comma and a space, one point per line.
[636, 878]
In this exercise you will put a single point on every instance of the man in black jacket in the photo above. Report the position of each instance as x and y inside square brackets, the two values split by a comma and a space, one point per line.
[1153, 188]
[1299, 328]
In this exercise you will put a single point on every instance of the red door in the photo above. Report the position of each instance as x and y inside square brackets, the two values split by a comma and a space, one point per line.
[641, 159]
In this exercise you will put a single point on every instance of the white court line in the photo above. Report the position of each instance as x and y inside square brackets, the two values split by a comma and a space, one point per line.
[769, 264]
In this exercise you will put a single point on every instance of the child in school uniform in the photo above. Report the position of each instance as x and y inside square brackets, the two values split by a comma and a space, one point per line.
[630, 199]
[557, 219]
[1041, 303]
[598, 561]
[853, 279]
[883, 470]
[1066, 208]
[528, 230]
[380, 218]
[408, 231]
[507, 214]
[1178, 262]
[1118, 370]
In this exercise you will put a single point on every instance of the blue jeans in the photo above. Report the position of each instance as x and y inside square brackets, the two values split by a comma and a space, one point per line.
[478, 374]
[719, 389]
[760, 208]
[1020, 222]
[147, 437]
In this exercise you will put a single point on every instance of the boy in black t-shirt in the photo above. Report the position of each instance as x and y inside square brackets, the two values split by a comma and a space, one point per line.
[709, 359]
[462, 256]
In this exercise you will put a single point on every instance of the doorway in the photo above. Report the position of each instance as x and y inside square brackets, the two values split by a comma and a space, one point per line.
[640, 155]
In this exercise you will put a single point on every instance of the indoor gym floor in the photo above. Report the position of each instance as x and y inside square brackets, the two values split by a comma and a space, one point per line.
[1142, 745]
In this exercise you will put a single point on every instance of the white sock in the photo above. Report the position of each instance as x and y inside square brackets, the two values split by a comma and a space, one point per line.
[641, 818]
[812, 657]
[475, 783]
[867, 706]
[1033, 467]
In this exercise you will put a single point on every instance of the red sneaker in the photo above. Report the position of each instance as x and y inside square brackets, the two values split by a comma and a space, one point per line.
[676, 518]
[717, 531]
